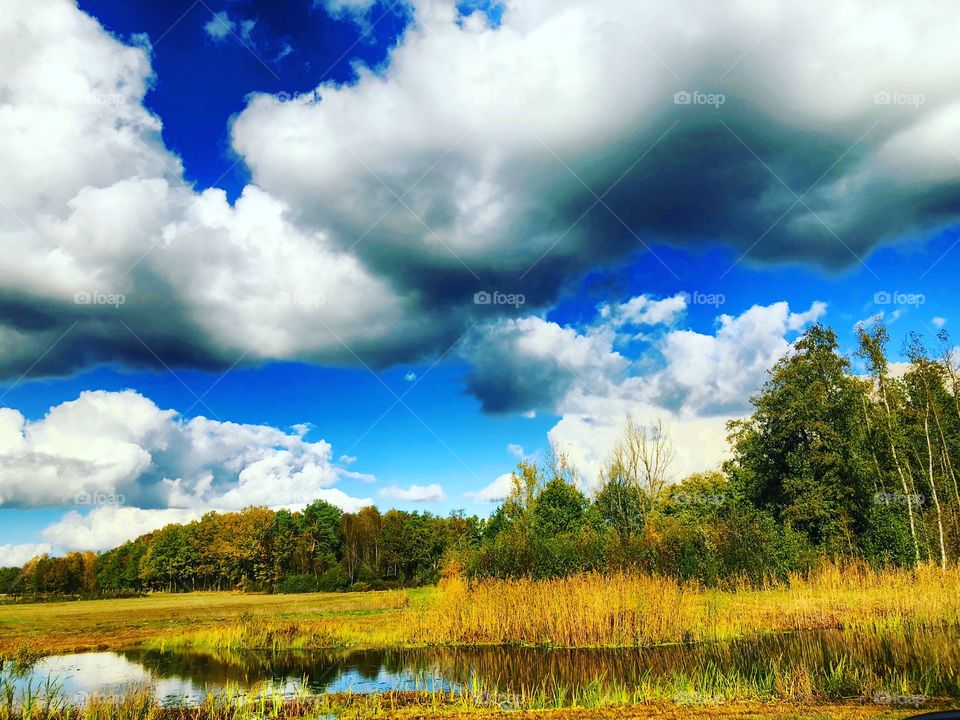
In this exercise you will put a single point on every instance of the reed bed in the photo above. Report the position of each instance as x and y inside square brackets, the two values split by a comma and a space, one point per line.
[624, 610]
[708, 693]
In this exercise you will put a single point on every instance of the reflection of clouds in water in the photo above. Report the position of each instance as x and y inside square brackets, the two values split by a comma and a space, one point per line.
[174, 680]
[103, 674]
[175, 691]
[187, 678]
[77, 677]
[81, 675]
[356, 681]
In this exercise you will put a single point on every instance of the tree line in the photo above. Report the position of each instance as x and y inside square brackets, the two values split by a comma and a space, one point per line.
[258, 549]
[829, 464]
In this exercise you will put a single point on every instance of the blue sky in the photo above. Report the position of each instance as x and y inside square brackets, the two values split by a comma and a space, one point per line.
[319, 311]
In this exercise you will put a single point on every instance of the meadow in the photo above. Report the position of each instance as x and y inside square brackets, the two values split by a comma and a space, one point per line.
[889, 609]
[590, 610]
[577, 611]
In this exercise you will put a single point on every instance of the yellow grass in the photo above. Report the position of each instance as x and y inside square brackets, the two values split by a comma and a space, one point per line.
[625, 610]
[579, 611]
[111, 624]
[140, 705]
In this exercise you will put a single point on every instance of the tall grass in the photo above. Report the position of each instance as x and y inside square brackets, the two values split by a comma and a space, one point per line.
[595, 610]
[706, 691]
[386, 619]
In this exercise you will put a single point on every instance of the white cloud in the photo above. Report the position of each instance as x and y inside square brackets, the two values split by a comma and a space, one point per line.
[17, 555]
[693, 381]
[939, 322]
[107, 527]
[482, 121]
[121, 443]
[151, 467]
[355, 9]
[515, 450]
[496, 491]
[716, 373]
[415, 493]
[644, 310]
[112, 216]
[220, 26]
[246, 29]
[528, 363]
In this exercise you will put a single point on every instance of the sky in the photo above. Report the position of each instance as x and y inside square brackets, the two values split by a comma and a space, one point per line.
[260, 253]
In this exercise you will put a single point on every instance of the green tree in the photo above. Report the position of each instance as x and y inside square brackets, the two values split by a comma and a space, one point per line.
[558, 508]
[802, 454]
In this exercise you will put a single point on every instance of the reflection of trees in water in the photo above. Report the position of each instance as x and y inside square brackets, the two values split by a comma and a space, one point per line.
[220, 667]
[321, 668]
[932, 655]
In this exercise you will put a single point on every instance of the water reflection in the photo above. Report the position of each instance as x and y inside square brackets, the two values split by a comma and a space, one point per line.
[930, 659]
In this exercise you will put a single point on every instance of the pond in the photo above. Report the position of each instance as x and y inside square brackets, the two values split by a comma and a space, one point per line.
[847, 662]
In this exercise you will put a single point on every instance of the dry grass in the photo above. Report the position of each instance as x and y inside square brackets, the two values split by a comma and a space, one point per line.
[50, 628]
[627, 610]
[266, 704]
[578, 611]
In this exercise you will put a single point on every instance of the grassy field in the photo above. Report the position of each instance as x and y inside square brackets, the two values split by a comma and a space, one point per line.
[595, 611]
[50, 628]
[407, 706]
[581, 611]
[890, 609]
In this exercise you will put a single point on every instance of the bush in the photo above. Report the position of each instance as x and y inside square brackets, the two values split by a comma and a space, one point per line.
[299, 584]
[336, 579]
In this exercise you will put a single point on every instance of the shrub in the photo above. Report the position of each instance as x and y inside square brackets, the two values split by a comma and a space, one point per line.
[336, 579]
[299, 584]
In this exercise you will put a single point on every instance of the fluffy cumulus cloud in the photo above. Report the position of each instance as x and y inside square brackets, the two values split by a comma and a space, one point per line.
[515, 156]
[131, 467]
[415, 493]
[496, 491]
[17, 555]
[693, 381]
[644, 310]
[723, 126]
[529, 363]
[110, 255]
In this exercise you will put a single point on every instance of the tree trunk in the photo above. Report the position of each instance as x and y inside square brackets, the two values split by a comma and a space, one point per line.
[903, 479]
[933, 486]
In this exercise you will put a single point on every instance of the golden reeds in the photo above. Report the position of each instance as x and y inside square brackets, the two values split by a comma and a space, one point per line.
[625, 610]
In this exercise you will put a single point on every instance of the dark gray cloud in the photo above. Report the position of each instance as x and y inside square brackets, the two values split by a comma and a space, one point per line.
[502, 160]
